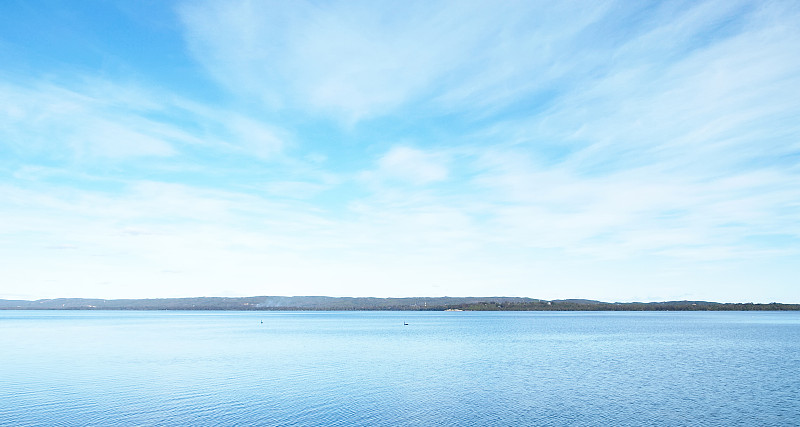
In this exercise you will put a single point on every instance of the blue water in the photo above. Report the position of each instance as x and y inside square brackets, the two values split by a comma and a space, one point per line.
[367, 368]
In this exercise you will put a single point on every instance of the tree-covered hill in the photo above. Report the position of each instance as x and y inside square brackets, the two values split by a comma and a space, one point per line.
[368, 303]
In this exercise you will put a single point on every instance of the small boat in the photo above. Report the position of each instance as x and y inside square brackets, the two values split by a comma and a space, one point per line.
[405, 324]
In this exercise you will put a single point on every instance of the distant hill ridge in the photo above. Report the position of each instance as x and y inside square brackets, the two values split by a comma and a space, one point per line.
[373, 303]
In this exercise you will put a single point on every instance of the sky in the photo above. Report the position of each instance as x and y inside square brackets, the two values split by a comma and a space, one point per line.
[619, 151]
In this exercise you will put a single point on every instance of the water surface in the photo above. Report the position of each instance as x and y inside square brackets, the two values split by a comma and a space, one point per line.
[366, 368]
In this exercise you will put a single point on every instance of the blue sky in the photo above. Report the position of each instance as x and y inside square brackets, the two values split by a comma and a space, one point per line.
[619, 151]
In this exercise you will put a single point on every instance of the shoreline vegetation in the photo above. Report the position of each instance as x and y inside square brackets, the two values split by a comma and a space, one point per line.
[320, 303]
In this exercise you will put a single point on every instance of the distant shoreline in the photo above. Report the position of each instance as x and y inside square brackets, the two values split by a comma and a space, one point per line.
[320, 303]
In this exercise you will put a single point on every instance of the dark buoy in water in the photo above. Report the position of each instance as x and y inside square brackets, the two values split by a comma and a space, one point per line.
[262, 322]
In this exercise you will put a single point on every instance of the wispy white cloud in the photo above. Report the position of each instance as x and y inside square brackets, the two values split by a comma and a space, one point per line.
[98, 119]
[51, 118]
[357, 60]
[412, 165]
[256, 137]
[637, 211]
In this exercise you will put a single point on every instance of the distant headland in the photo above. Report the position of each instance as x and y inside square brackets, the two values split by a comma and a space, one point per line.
[376, 304]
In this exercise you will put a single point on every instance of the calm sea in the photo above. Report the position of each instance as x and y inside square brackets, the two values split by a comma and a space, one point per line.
[367, 368]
